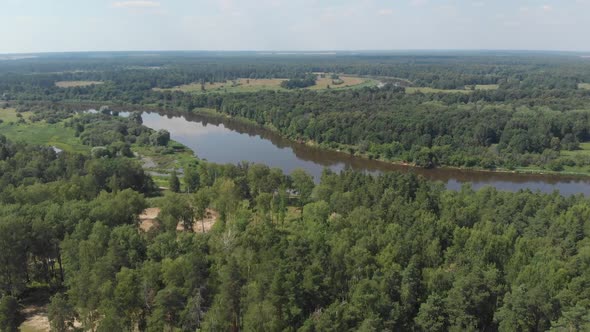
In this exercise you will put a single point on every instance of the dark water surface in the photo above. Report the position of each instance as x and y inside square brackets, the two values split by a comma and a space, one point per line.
[231, 141]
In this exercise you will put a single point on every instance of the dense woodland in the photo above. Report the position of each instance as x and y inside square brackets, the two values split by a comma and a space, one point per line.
[354, 252]
[366, 253]
[537, 111]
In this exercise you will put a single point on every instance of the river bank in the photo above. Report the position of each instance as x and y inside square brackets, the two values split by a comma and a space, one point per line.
[241, 124]
[517, 170]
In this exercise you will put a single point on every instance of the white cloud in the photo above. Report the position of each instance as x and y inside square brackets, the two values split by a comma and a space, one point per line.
[136, 4]
[547, 8]
[385, 12]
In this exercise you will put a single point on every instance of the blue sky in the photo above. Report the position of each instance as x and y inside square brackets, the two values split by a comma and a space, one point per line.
[101, 25]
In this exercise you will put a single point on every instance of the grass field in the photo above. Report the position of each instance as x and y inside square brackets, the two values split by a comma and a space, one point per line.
[487, 87]
[348, 81]
[239, 85]
[254, 85]
[584, 151]
[412, 90]
[585, 86]
[10, 115]
[40, 133]
[73, 84]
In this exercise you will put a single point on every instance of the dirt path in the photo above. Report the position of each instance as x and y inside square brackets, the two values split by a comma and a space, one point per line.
[148, 219]
[35, 319]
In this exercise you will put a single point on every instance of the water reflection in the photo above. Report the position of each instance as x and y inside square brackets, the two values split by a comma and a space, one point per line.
[230, 141]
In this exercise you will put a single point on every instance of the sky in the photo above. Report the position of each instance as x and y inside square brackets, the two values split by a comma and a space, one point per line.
[28, 26]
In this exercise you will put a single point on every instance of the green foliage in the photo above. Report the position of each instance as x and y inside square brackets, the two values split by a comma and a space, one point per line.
[160, 138]
[174, 182]
[61, 314]
[192, 179]
[358, 253]
[303, 185]
[393, 252]
[300, 82]
[9, 313]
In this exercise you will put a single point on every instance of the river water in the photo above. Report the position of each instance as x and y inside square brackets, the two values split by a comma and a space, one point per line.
[231, 141]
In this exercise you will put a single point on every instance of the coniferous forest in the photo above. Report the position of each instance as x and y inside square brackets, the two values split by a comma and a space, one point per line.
[286, 252]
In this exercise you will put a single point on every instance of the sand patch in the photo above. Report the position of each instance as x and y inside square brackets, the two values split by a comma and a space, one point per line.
[35, 319]
[74, 84]
[148, 219]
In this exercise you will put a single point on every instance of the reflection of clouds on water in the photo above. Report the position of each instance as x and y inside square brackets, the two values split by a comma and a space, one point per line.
[565, 187]
[233, 141]
[180, 126]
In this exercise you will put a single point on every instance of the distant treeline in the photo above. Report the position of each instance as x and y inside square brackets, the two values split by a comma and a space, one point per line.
[536, 112]
[165, 71]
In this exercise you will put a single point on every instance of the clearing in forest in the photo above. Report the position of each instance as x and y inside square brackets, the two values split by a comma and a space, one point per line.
[34, 310]
[260, 84]
[412, 90]
[585, 86]
[341, 82]
[149, 219]
[486, 87]
[35, 320]
[239, 85]
[17, 127]
[73, 84]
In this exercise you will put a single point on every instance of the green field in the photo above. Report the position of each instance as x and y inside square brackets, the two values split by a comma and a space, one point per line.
[487, 87]
[40, 133]
[10, 115]
[254, 85]
[347, 82]
[73, 84]
[412, 90]
[585, 86]
[584, 151]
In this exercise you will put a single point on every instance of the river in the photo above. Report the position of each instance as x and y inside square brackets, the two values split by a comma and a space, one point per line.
[231, 141]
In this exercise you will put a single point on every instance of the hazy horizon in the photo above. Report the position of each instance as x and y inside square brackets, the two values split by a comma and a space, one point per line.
[38, 26]
[312, 52]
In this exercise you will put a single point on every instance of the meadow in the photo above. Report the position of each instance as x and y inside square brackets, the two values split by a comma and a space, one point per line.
[40, 133]
[412, 90]
[74, 84]
[261, 84]
[486, 87]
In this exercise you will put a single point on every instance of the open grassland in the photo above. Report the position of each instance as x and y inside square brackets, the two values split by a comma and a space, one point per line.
[583, 151]
[239, 85]
[487, 87]
[8, 115]
[347, 82]
[40, 133]
[585, 86]
[412, 90]
[73, 84]
[254, 85]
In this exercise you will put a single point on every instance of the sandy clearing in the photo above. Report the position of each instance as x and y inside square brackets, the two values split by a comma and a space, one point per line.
[35, 319]
[73, 84]
[149, 219]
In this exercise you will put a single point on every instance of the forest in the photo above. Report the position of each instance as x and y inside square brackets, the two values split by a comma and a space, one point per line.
[534, 113]
[355, 252]
[352, 252]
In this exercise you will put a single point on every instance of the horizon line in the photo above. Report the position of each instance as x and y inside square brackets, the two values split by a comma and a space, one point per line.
[312, 51]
